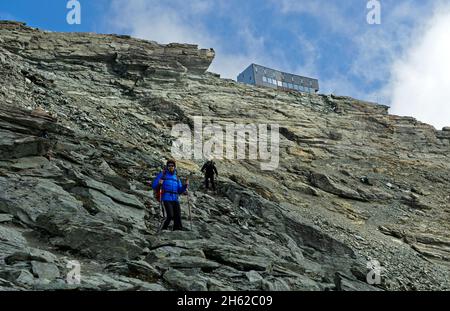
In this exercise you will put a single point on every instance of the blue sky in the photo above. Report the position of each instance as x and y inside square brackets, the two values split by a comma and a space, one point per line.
[325, 39]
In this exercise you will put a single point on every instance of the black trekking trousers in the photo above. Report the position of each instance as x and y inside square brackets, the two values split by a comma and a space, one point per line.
[173, 212]
[207, 179]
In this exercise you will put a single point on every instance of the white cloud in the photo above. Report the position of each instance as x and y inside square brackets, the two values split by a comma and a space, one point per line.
[310, 54]
[180, 21]
[370, 47]
[374, 48]
[161, 21]
[378, 46]
[420, 79]
[330, 13]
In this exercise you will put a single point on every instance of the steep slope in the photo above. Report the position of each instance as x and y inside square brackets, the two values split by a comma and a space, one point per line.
[354, 183]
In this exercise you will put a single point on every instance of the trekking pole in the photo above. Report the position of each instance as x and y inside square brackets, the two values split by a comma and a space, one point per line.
[161, 203]
[162, 211]
[189, 205]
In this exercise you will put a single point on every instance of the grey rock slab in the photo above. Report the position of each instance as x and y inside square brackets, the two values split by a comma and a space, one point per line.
[6, 285]
[181, 281]
[193, 252]
[101, 203]
[163, 252]
[253, 276]
[143, 270]
[13, 145]
[344, 283]
[28, 198]
[304, 283]
[25, 278]
[29, 163]
[103, 242]
[72, 227]
[44, 270]
[246, 263]
[100, 281]
[324, 183]
[31, 254]
[115, 194]
[153, 287]
[190, 262]
[11, 241]
[6, 218]
[276, 285]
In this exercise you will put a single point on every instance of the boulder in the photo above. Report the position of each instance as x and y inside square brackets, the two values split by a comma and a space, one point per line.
[44, 270]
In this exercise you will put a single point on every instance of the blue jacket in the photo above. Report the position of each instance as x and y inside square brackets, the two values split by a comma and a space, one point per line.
[171, 186]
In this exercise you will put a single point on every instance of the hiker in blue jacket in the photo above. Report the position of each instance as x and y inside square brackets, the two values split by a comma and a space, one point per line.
[171, 189]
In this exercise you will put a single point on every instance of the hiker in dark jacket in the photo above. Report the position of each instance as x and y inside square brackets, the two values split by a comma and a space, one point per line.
[209, 169]
[172, 188]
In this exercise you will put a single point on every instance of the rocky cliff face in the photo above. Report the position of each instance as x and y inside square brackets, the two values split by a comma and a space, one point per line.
[85, 123]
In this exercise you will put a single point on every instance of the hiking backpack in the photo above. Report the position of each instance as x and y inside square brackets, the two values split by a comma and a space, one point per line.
[158, 192]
